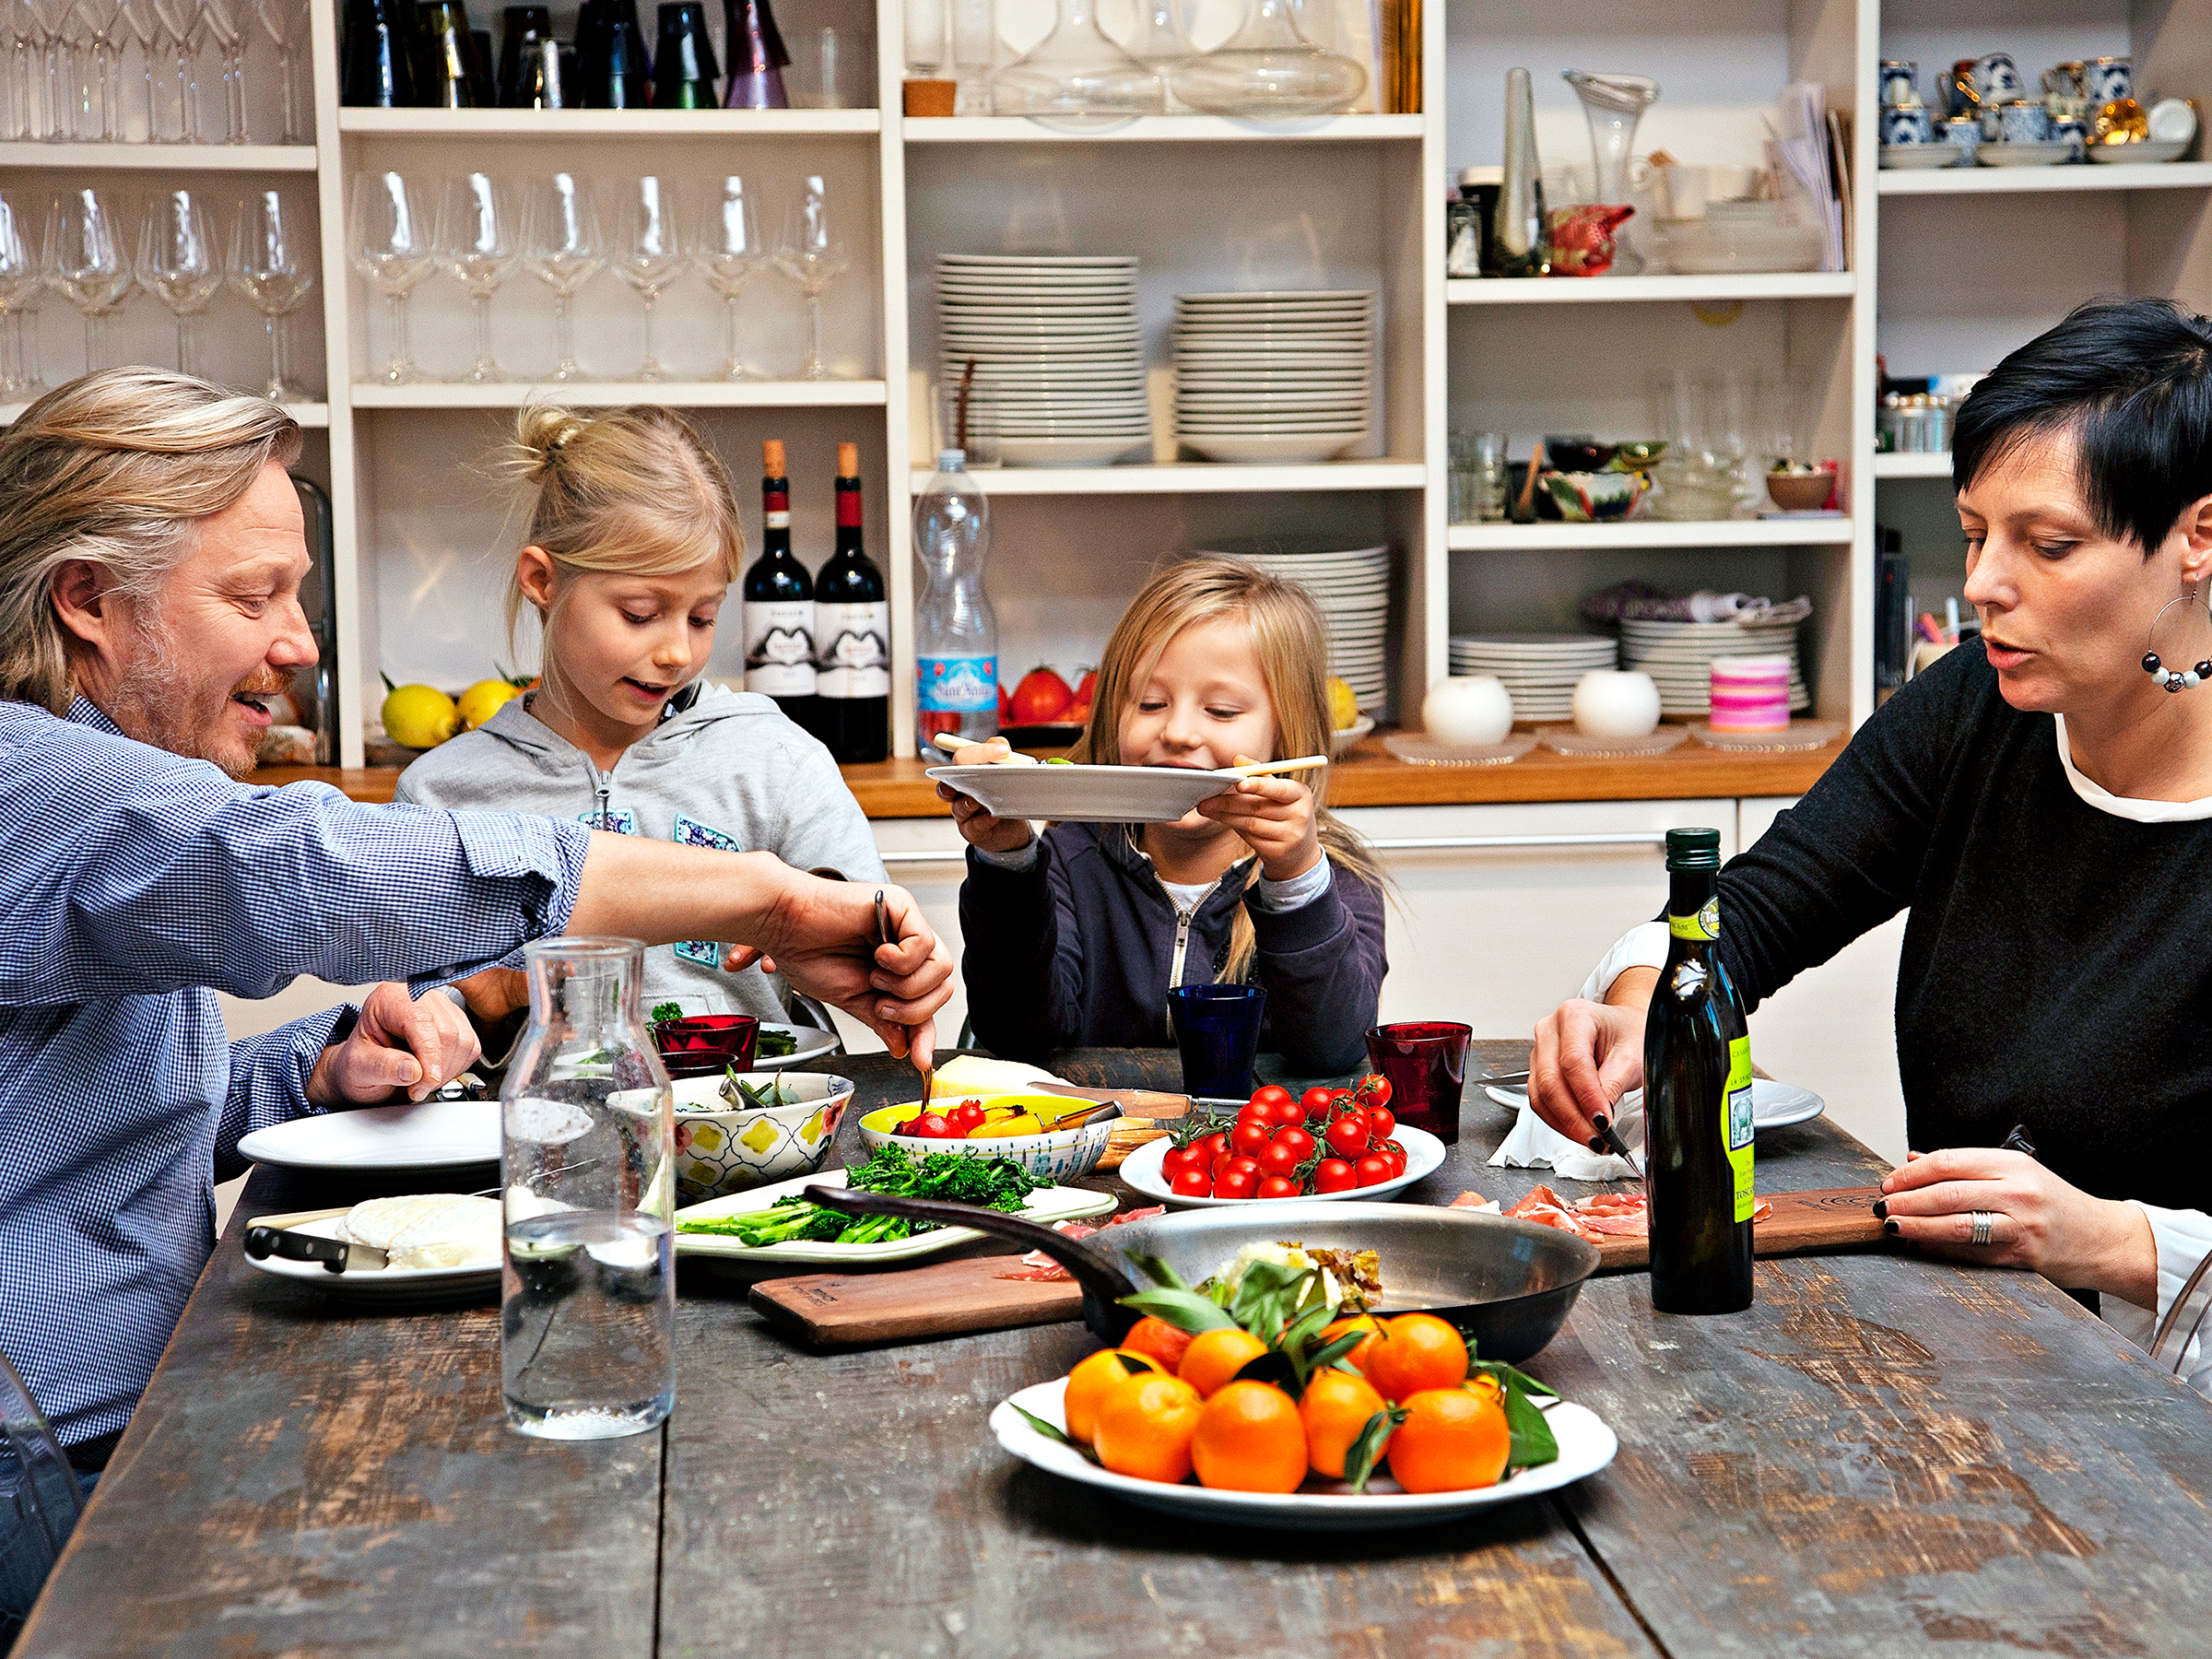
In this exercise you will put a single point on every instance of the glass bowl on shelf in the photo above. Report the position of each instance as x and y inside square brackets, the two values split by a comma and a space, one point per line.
[1077, 77]
[1267, 70]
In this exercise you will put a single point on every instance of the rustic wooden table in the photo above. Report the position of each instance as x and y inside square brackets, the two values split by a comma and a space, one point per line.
[1885, 1456]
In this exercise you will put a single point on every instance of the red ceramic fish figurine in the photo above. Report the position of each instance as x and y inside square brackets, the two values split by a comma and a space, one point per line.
[1579, 241]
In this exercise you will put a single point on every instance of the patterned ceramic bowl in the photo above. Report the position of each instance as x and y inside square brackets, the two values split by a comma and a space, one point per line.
[1060, 1155]
[719, 1150]
[1595, 498]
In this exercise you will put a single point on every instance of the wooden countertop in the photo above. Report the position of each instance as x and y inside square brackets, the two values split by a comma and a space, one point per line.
[1369, 776]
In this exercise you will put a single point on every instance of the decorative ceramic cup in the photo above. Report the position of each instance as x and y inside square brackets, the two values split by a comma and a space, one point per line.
[1900, 84]
[2074, 136]
[2106, 78]
[1965, 131]
[2064, 80]
[2024, 120]
[1907, 124]
[1959, 95]
[1996, 79]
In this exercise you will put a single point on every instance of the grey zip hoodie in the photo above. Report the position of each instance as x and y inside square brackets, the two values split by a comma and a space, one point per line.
[730, 771]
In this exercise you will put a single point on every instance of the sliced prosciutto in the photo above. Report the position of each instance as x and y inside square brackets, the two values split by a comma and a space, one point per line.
[1040, 1268]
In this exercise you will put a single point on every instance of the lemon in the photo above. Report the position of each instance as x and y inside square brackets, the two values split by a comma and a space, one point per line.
[484, 700]
[420, 716]
[1344, 706]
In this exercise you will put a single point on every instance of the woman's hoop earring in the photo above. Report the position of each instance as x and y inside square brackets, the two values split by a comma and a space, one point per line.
[2159, 671]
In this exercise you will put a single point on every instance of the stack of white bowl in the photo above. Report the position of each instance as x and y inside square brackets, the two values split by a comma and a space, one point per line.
[1350, 586]
[1285, 377]
[1059, 358]
[1541, 670]
[1678, 656]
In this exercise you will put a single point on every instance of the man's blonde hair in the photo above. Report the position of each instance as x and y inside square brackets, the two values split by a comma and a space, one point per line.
[117, 468]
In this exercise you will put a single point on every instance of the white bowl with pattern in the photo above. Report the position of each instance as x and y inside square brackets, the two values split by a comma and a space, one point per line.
[720, 1151]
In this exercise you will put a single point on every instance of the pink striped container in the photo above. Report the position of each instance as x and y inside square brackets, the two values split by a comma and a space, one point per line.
[1751, 694]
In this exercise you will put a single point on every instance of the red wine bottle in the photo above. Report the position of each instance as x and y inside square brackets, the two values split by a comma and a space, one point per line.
[851, 636]
[779, 603]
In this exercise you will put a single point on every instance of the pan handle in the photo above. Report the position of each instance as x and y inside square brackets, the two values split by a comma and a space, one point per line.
[1104, 1284]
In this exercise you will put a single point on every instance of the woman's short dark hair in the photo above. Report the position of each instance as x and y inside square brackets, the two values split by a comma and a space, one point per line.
[2131, 380]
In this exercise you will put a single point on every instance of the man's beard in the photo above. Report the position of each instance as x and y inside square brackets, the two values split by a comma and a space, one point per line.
[157, 704]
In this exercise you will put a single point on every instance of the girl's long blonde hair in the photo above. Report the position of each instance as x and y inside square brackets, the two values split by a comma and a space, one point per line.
[1293, 648]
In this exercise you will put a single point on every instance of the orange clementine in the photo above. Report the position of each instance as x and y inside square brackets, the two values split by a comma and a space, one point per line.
[1157, 1337]
[1087, 1384]
[1333, 1409]
[1144, 1427]
[1452, 1439]
[1249, 1440]
[1415, 1352]
[1357, 1358]
[1215, 1357]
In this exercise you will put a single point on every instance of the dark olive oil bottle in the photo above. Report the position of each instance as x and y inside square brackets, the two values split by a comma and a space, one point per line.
[1697, 1098]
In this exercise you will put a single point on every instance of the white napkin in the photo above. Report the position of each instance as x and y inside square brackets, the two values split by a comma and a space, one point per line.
[1533, 1143]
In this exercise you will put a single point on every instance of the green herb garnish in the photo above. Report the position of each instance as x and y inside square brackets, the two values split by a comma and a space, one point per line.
[987, 1183]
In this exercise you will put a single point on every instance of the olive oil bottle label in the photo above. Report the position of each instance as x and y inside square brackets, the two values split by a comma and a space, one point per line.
[1738, 1124]
[1705, 924]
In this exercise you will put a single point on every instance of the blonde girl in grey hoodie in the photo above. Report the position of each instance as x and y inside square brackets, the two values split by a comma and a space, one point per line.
[633, 542]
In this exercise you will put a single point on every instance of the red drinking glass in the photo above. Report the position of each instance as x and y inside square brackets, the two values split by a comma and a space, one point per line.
[1426, 1061]
[705, 1044]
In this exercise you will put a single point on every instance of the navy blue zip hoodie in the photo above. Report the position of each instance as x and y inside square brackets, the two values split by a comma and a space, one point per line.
[1074, 951]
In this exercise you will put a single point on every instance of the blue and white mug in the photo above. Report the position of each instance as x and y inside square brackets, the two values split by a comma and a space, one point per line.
[1996, 79]
[2024, 120]
[1900, 84]
[1965, 131]
[2107, 79]
[1907, 124]
[2074, 136]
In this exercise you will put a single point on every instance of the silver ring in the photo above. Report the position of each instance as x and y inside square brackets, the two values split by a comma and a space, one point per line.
[1982, 1221]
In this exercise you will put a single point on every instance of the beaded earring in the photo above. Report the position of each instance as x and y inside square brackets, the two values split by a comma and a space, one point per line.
[2166, 676]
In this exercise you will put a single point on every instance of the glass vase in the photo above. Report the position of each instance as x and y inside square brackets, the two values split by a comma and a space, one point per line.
[1612, 104]
[1267, 70]
[1076, 77]
[586, 1162]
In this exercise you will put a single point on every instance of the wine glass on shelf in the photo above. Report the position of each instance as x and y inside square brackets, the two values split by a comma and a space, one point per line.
[139, 21]
[21, 278]
[104, 24]
[87, 264]
[392, 250]
[22, 104]
[50, 25]
[478, 246]
[813, 257]
[269, 266]
[177, 264]
[649, 254]
[565, 250]
[284, 22]
[730, 254]
[223, 23]
[176, 20]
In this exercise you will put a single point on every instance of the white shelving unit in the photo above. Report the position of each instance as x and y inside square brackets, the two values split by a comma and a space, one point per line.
[423, 540]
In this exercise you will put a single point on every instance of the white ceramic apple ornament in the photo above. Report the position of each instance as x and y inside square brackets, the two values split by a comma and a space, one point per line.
[1468, 710]
[1609, 702]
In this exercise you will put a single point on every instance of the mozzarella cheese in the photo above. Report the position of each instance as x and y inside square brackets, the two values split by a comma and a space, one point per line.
[427, 1229]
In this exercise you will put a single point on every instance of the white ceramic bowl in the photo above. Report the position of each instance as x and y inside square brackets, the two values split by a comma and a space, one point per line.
[1468, 710]
[1060, 1155]
[1612, 702]
[719, 1150]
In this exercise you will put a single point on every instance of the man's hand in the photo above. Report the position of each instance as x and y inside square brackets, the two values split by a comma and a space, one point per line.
[821, 936]
[495, 993]
[402, 1045]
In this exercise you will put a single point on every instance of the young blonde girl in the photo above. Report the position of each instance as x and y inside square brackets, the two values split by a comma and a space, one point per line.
[1074, 936]
[633, 541]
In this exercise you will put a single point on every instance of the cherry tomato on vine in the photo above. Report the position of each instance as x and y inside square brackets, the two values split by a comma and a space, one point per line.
[1382, 1123]
[1373, 1170]
[1176, 1160]
[1242, 1166]
[1251, 1111]
[1347, 1134]
[1297, 1139]
[1250, 1140]
[1334, 1175]
[1314, 1106]
[1237, 1183]
[1270, 1095]
[1288, 1114]
[1397, 1154]
[1217, 1149]
[1373, 1089]
[1192, 1183]
[1280, 1186]
[1280, 1159]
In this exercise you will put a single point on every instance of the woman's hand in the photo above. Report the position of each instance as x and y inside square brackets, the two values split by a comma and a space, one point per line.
[1586, 1056]
[1275, 818]
[978, 827]
[400, 1043]
[2038, 1221]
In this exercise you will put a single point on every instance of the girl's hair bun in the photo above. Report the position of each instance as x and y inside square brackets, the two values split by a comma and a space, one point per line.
[540, 434]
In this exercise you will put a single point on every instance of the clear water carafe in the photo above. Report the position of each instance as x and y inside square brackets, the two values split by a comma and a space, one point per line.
[587, 1312]
[956, 637]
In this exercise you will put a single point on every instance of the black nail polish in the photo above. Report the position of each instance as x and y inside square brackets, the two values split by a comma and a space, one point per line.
[1891, 1228]
[1881, 1209]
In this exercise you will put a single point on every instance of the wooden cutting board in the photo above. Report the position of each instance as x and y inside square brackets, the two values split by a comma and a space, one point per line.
[946, 1299]
[1831, 1218]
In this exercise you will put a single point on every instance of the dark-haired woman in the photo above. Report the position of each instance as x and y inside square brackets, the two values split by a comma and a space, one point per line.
[2041, 801]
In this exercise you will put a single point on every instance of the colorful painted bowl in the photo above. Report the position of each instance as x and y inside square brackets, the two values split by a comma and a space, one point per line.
[1595, 498]
[719, 1150]
[1061, 1154]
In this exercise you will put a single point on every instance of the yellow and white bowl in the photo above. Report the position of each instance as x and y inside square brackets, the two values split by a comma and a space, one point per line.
[719, 1150]
[1058, 1154]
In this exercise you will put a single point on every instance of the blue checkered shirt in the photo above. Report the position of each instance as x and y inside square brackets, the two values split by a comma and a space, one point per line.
[135, 885]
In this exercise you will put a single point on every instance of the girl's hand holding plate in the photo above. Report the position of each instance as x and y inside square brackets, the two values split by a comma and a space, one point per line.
[1275, 818]
[977, 827]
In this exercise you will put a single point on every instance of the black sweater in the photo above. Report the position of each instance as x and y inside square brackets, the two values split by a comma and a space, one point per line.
[2053, 972]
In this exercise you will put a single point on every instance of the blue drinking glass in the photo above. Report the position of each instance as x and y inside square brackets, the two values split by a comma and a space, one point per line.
[1218, 1031]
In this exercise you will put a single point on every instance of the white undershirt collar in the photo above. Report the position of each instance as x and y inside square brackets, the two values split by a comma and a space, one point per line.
[2094, 794]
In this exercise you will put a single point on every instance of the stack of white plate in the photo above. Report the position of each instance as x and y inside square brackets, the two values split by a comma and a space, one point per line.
[1678, 656]
[1285, 377]
[1541, 670]
[1351, 586]
[1058, 354]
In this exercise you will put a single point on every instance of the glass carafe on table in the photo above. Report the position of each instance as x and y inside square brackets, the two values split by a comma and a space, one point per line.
[587, 1143]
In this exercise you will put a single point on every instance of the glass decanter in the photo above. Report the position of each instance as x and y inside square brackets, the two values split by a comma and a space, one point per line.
[587, 1145]
[1612, 104]
[1076, 77]
[1269, 71]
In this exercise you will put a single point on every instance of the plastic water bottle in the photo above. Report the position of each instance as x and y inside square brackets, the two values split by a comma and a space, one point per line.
[956, 637]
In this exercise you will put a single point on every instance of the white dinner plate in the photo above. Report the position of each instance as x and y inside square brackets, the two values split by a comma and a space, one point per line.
[425, 1285]
[1586, 1445]
[1921, 157]
[1279, 297]
[1041, 262]
[1067, 452]
[2151, 151]
[1281, 450]
[1773, 1105]
[1046, 1205]
[1141, 1169]
[433, 1134]
[1086, 794]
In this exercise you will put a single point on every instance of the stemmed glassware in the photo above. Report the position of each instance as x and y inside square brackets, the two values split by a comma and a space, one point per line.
[225, 22]
[104, 18]
[177, 19]
[560, 231]
[137, 17]
[730, 254]
[86, 262]
[285, 25]
[813, 257]
[21, 279]
[177, 264]
[478, 246]
[269, 266]
[647, 253]
[21, 85]
[392, 250]
[49, 23]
